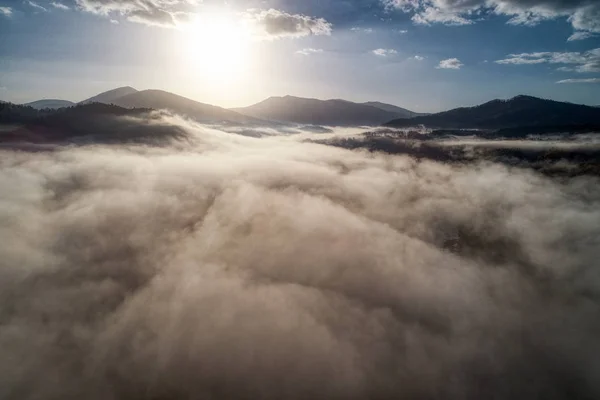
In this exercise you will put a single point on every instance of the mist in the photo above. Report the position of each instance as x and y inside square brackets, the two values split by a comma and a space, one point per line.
[220, 263]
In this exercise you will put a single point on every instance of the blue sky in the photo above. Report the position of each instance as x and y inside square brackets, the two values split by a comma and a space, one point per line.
[426, 55]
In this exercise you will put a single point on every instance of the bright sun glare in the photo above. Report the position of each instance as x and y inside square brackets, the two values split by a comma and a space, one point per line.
[217, 46]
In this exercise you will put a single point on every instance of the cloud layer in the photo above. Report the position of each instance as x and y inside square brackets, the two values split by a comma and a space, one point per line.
[239, 268]
[584, 15]
[163, 13]
[588, 61]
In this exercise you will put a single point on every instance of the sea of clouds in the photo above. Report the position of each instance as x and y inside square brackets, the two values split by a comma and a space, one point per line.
[223, 266]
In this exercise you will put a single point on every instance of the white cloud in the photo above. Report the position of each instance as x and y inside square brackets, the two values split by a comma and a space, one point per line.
[309, 51]
[153, 17]
[431, 15]
[590, 80]
[114, 21]
[402, 31]
[587, 18]
[105, 7]
[6, 11]
[588, 61]
[404, 5]
[266, 24]
[163, 13]
[384, 52]
[584, 15]
[581, 35]
[362, 30]
[274, 24]
[60, 6]
[450, 63]
[419, 58]
[36, 5]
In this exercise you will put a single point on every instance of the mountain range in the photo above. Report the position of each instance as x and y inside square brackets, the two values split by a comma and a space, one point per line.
[50, 103]
[159, 99]
[286, 109]
[518, 112]
[324, 112]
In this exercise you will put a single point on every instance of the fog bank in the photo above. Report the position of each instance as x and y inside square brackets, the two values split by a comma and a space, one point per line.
[221, 266]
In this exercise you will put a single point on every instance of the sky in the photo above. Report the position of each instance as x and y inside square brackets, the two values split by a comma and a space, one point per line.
[424, 55]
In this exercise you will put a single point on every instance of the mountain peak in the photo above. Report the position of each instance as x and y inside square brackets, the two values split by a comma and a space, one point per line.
[524, 97]
[111, 95]
[163, 100]
[334, 112]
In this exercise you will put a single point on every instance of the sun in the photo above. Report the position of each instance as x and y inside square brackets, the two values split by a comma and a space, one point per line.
[217, 45]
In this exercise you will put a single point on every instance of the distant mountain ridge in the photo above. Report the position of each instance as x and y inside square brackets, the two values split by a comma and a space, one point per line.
[520, 111]
[49, 103]
[402, 112]
[323, 112]
[159, 99]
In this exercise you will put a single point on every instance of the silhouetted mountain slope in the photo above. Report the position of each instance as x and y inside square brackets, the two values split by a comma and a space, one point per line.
[94, 123]
[401, 112]
[318, 112]
[49, 103]
[110, 96]
[19, 114]
[159, 99]
[520, 111]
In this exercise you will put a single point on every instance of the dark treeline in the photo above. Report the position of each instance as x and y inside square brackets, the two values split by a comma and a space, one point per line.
[546, 159]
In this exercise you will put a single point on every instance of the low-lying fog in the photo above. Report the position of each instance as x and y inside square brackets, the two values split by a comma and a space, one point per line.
[222, 266]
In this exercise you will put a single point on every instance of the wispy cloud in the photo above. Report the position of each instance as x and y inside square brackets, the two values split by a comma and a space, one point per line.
[264, 24]
[60, 6]
[588, 61]
[584, 15]
[36, 6]
[6, 11]
[162, 13]
[450, 63]
[431, 15]
[419, 58]
[362, 30]
[580, 36]
[153, 17]
[309, 51]
[589, 80]
[384, 52]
